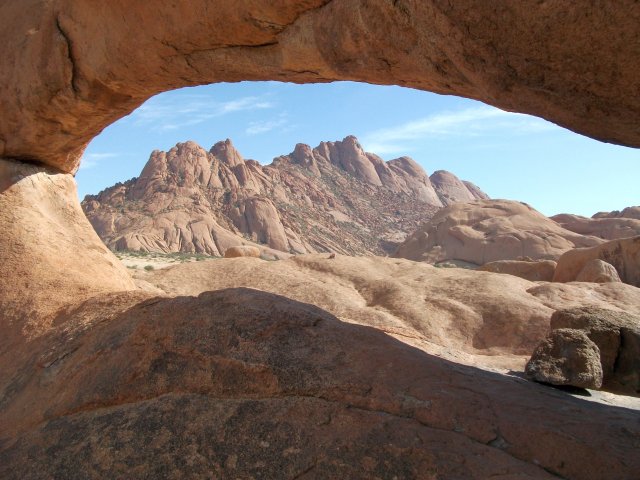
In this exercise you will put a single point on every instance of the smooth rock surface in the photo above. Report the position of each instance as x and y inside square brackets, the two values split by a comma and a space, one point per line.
[566, 357]
[49, 254]
[71, 68]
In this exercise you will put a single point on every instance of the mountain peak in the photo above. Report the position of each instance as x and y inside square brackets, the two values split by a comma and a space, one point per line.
[226, 153]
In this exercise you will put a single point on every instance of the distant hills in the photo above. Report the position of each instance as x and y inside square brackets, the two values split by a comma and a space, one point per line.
[334, 197]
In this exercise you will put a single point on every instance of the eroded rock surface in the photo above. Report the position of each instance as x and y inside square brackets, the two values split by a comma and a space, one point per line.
[242, 251]
[598, 271]
[609, 226]
[472, 317]
[535, 271]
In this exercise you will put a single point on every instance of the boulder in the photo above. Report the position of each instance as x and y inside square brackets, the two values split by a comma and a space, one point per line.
[617, 335]
[597, 271]
[566, 357]
[242, 251]
[623, 254]
[541, 270]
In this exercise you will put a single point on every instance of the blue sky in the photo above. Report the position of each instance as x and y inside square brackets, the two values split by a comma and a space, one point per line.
[508, 155]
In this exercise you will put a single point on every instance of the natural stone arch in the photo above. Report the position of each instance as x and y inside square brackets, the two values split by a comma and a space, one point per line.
[71, 68]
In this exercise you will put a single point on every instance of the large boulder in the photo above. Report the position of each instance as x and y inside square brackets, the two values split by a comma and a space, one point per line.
[617, 335]
[566, 357]
[535, 271]
[485, 231]
[623, 254]
[597, 271]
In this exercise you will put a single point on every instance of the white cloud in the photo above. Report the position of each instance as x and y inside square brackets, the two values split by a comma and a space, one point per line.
[91, 160]
[265, 126]
[475, 122]
[173, 113]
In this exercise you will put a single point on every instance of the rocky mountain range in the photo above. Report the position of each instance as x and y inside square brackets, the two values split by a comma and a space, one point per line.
[335, 197]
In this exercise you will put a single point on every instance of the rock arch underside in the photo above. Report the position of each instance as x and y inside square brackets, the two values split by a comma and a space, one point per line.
[99, 378]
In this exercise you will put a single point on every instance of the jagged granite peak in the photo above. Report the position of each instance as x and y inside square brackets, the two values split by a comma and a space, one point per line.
[334, 197]
[226, 152]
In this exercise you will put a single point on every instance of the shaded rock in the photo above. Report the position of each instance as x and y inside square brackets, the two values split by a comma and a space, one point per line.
[623, 255]
[242, 251]
[566, 357]
[617, 335]
[597, 271]
[484, 231]
[534, 271]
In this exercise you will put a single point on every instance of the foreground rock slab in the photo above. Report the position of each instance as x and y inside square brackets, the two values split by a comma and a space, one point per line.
[245, 383]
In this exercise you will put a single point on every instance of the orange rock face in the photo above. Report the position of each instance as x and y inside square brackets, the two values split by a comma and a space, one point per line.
[69, 70]
[50, 256]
